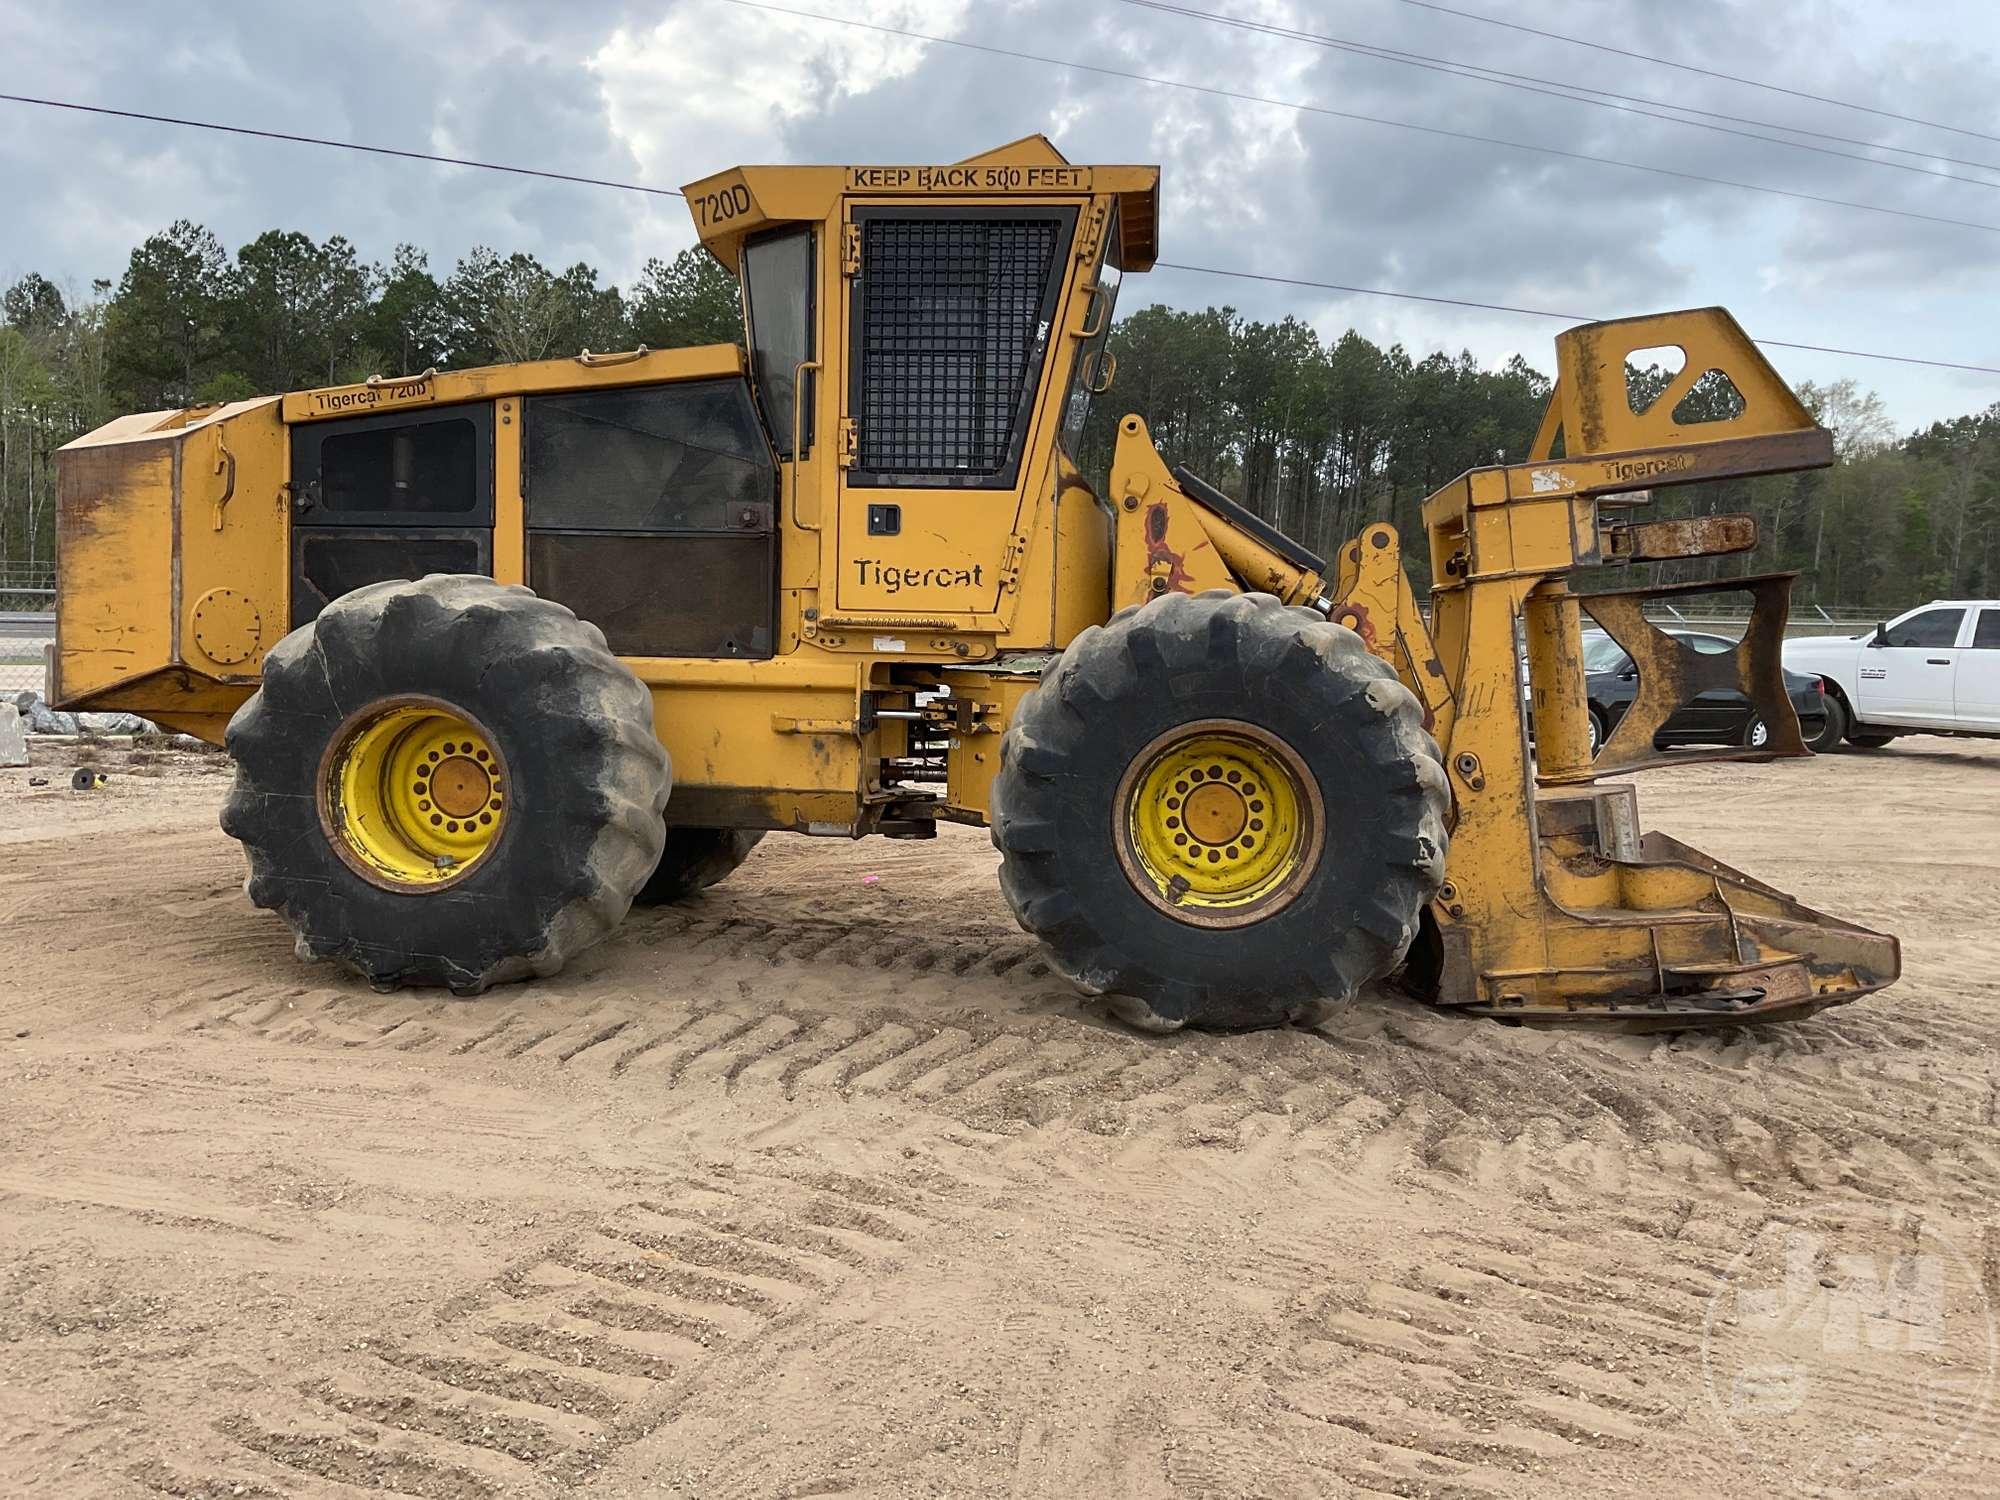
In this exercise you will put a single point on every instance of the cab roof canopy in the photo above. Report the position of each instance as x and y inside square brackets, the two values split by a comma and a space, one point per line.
[732, 205]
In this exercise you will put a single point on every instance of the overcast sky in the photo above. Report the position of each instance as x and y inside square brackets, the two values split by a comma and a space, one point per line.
[666, 92]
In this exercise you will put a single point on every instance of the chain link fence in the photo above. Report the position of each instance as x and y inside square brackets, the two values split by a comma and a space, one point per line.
[27, 631]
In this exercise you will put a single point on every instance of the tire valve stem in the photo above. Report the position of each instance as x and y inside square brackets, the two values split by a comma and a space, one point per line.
[445, 861]
[1177, 888]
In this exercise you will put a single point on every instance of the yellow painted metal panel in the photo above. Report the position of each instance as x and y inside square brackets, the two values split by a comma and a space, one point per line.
[730, 206]
[232, 552]
[1082, 581]
[584, 371]
[115, 504]
[510, 537]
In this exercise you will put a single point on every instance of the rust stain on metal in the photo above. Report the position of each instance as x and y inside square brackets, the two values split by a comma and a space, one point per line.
[1672, 673]
[1698, 536]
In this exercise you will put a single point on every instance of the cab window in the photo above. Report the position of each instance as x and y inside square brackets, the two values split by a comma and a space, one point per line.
[1088, 370]
[778, 306]
[952, 317]
[399, 468]
[1986, 636]
[1934, 627]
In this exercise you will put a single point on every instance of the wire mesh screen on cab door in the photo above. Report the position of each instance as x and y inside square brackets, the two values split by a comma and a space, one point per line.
[953, 311]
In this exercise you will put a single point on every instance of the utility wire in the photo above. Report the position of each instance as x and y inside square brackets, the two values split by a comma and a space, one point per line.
[314, 140]
[1536, 312]
[1667, 62]
[1343, 114]
[1165, 265]
[1577, 93]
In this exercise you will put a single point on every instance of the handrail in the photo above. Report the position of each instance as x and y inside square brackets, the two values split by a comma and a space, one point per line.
[599, 361]
[798, 436]
[1094, 301]
[223, 457]
[380, 381]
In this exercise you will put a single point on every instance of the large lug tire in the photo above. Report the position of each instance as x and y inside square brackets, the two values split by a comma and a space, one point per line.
[695, 859]
[331, 751]
[1191, 698]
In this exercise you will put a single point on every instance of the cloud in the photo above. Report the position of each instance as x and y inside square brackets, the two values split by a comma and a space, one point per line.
[662, 95]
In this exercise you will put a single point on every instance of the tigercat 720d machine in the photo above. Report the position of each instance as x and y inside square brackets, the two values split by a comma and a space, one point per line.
[499, 651]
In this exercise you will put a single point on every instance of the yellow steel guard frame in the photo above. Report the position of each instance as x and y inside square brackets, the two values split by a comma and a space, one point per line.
[1555, 907]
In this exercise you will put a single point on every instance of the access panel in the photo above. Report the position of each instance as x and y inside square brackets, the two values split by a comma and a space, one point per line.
[650, 512]
[396, 496]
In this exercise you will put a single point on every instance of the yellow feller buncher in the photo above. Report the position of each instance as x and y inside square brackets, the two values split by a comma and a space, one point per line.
[498, 652]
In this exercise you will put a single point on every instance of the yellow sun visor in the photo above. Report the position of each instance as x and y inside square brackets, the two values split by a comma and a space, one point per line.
[731, 206]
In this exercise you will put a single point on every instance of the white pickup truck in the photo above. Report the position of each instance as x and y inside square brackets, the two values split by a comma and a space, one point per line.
[1935, 670]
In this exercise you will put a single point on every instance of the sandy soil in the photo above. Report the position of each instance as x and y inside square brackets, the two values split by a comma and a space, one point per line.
[822, 1185]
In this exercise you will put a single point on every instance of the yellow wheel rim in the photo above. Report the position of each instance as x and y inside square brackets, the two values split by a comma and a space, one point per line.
[412, 794]
[1218, 823]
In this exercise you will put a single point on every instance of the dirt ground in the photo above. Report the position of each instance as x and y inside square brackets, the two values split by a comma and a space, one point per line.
[822, 1185]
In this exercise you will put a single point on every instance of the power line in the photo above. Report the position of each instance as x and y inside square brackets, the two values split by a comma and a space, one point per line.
[315, 140]
[1576, 93]
[1536, 312]
[634, 187]
[1667, 62]
[1344, 114]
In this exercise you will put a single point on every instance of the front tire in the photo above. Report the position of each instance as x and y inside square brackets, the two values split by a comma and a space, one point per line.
[449, 781]
[1220, 811]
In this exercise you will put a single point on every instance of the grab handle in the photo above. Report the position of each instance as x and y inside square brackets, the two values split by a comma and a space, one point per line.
[799, 372]
[224, 460]
[598, 361]
[380, 381]
[1096, 302]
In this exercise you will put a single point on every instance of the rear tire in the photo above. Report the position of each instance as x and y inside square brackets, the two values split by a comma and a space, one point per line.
[695, 859]
[1869, 741]
[1832, 730]
[578, 780]
[1132, 728]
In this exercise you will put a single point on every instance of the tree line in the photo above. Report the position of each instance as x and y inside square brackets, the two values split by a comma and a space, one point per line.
[1317, 435]
[1321, 436]
[189, 324]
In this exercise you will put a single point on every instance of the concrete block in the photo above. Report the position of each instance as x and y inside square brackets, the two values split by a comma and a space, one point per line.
[13, 737]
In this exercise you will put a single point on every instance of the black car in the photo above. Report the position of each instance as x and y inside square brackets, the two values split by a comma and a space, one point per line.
[1714, 718]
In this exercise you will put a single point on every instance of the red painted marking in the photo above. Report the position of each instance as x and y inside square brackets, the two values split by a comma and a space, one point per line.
[1357, 619]
[1158, 553]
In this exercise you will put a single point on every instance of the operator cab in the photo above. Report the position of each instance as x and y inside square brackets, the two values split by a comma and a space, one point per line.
[897, 438]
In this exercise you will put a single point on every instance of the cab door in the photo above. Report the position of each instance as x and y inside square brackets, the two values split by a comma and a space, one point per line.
[952, 322]
[1976, 688]
[1910, 676]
